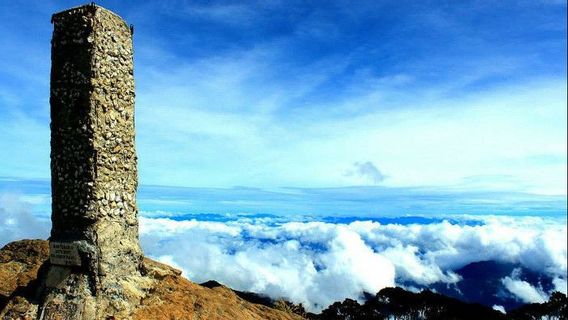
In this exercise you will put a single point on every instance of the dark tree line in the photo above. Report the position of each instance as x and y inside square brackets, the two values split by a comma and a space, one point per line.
[399, 304]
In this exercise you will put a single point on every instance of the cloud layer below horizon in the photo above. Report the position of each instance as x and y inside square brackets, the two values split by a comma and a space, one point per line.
[317, 263]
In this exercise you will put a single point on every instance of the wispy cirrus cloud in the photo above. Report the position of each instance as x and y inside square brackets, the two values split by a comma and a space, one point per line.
[293, 94]
[340, 204]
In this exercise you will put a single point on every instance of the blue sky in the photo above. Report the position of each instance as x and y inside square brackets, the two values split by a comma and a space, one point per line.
[435, 95]
[277, 136]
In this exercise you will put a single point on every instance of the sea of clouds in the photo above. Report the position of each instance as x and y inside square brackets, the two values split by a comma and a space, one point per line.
[316, 263]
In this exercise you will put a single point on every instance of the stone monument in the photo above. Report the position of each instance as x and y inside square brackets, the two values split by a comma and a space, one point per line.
[95, 268]
[95, 256]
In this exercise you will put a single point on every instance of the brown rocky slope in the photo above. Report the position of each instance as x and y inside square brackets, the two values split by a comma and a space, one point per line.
[169, 296]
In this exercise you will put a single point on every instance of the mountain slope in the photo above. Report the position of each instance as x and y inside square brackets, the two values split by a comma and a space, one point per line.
[170, 296]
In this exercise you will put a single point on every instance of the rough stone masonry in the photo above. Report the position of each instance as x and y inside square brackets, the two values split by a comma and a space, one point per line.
[95, 256]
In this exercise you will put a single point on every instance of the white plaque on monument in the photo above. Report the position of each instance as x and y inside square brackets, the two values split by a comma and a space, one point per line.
[64, 253]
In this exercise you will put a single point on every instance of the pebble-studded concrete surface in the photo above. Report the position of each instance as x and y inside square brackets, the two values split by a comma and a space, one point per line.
[94, 165]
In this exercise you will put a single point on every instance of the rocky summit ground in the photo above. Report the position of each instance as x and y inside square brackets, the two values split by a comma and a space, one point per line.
[169, 296]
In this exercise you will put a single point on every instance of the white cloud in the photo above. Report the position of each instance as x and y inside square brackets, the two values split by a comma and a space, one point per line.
[524, 291]
[560, 285]
[281, 262]
[499, 308]
[17, 221]
[411, 266]
[318, 263]
[254, 118]
[367, 172]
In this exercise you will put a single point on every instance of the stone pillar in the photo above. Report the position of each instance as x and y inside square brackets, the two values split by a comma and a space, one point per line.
[95, 252]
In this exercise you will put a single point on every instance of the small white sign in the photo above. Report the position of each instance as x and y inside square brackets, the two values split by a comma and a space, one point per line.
[64, 253]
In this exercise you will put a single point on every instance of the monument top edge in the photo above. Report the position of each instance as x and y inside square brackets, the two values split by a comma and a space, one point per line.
[89, 7]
